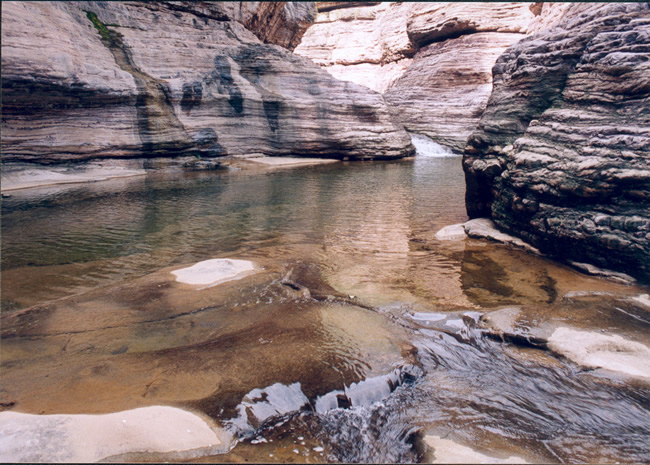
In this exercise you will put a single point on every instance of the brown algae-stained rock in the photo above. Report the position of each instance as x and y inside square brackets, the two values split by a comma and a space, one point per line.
[90, 438]
[216, 271]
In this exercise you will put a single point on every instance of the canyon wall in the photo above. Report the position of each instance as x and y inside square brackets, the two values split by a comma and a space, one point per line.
[87, 80]
[561, 156]
[432, 61]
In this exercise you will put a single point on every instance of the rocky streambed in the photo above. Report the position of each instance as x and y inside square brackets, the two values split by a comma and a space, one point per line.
[325, 322]
[231, 288]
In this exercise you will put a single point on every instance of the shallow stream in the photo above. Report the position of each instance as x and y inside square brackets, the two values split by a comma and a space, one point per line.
[359, 341]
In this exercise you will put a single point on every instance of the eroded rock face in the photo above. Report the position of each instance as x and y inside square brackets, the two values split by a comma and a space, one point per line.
[560, 156]
[432, 61]
[366, 44]
[444, 91]
[86, 80]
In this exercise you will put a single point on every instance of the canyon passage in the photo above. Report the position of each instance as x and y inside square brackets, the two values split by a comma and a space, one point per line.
[230, 232]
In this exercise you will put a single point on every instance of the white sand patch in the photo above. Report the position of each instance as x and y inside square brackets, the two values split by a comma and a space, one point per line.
[602, 351]
[216, 271]
[290, 161]
[454, 232]
[89, 438]
[447, 451]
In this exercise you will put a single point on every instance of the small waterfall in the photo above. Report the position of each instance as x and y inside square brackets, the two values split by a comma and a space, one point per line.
[426, 147]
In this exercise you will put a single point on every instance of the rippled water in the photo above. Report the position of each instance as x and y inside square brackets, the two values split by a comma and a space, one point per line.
[91, 234]
[356, 343]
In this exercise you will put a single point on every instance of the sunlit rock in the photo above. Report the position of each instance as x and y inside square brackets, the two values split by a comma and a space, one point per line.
[643, 299]
[485, 228]
[89, 80]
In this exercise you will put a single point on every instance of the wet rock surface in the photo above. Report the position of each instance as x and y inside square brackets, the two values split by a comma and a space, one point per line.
[560, 155]
[190, 344]
[171, 79]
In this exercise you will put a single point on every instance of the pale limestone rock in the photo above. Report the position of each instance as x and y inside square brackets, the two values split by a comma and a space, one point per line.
[643, 299]
[433, 61]
[36, 176]
[216, 271]
[597, 350]
[290, 161]
[90, 438]
[434, 22]
[485, 228]
[596, 271]
[502, 321]
[443, 92]
[454, 232]
[367, 45]
[448, 451]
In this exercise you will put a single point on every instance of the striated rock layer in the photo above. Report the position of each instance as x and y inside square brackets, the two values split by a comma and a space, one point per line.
[83, 80]
[431, 60]
[561, 154]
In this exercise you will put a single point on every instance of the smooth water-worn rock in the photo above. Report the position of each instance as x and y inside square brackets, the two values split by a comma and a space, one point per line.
[85, 80]
[447, 451]
[214, 271]
[611, 352]
[90, 438]
[560, 156]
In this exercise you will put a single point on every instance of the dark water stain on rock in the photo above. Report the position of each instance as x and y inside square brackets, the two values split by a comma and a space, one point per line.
[272, 111]
[159, 129]
[192, 95]
[223, 76]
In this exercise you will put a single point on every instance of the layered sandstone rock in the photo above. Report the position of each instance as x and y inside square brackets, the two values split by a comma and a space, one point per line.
[432, 61]
[444, 91]
[561, 155]
[366, 44]
[86, 80]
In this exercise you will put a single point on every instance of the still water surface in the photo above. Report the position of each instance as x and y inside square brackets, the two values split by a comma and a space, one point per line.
[337, 338]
